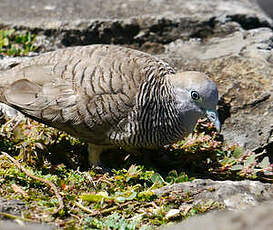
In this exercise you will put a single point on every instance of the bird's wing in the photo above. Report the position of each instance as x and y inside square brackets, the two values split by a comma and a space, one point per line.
[47, 97]
[73, 86]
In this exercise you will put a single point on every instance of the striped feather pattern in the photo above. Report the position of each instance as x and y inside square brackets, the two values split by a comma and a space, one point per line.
[102, 93]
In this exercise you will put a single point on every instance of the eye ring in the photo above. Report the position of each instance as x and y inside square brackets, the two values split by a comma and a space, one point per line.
[195, 95]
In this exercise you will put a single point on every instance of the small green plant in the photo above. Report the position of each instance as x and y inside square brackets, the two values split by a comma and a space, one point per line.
[34, 141]
[204, 150]
[13, 43]
[114, 221]
[246, 164]
[174, 177]
[125, 199]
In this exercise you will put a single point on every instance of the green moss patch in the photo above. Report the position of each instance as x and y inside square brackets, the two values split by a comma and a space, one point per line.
[14, 43]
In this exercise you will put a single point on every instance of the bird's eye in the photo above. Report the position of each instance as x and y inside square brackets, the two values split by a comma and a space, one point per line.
[195, 95]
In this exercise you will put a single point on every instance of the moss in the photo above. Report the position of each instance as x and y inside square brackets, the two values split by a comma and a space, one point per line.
[126, 197]
[13, 43]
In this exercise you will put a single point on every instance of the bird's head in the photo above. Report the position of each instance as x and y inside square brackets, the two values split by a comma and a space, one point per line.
[196, 97]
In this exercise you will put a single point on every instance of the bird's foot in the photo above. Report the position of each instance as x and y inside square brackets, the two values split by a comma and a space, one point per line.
[99, 169]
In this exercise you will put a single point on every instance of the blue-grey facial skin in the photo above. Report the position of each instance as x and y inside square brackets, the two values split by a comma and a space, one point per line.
[212, 115]
[196, 97]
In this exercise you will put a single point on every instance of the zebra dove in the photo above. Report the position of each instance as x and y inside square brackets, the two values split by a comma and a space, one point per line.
[110, 96]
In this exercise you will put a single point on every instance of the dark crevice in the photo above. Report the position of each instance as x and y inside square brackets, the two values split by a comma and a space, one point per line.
[161, 31]
[205, 29]
[116, 33]
[224, 110]
[268, 149]
[249, 22]
[137, 33]
[164, 32]
[254, 103]
[259, 100]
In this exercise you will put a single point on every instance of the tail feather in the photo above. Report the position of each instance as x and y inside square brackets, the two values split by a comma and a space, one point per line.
[21, 92]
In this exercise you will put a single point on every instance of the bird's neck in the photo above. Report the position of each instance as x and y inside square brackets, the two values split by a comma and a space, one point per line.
[157, 115]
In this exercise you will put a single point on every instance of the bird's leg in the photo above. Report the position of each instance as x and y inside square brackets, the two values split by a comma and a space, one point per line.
[94, 152]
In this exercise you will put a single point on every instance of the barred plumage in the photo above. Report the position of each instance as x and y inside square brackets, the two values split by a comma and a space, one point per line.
[109, 96]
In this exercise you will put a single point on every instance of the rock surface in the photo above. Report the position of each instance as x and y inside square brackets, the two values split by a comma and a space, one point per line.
[241, 64]
[267, 6]
[13, 207]
[7, 225]
[257, 218]
[49, 12]
[234, 195]
[231, 40]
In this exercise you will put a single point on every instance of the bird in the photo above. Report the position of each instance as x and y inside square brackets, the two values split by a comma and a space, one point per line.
[110, 96]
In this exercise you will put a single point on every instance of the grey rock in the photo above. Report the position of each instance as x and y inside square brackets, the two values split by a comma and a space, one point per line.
[50, 13]
[254, 218]
[135, 23]
[13, 207]
[230, 40]
[16, 207]
[234, 195]
[7, 225]
[241, 63]
[267, 6]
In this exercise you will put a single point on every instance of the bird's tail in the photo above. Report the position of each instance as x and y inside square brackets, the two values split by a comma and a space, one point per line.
[2, 86]
[6, 78]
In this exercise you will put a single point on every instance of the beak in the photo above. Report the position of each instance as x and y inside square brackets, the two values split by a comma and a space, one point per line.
[212, 115]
